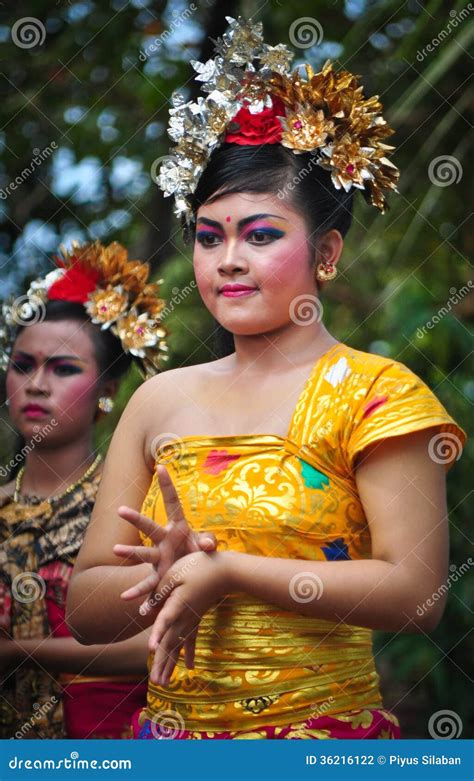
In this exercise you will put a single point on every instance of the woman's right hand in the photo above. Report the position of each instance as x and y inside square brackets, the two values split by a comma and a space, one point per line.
[170, 542]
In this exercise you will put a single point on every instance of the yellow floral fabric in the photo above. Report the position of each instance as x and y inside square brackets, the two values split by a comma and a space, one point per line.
[292, 497]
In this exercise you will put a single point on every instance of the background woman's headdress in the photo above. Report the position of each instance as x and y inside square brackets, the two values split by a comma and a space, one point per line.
[253, 98]
[115, 293]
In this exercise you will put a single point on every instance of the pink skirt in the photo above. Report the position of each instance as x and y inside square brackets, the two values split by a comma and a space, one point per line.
[357, 725]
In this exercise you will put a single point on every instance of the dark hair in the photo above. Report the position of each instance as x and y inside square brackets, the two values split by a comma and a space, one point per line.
[272, 168]
[112, 361]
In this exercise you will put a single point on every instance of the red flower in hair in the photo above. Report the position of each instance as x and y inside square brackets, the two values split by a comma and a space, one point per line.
[75, 285]
[261, 128]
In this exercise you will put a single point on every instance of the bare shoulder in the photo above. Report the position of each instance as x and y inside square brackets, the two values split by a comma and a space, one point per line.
[169, 387]
[170, 401]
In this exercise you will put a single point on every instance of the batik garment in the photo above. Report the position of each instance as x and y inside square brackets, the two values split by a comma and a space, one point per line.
[39, 542]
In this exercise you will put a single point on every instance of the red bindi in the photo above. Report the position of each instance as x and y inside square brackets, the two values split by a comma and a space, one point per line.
[227, 219]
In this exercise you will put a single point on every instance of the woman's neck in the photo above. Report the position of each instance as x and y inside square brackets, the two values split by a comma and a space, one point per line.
[49, 471]
[271, 351]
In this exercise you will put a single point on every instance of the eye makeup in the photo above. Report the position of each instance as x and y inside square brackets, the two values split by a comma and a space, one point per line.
[262, 227]
[63, 365]
[248, 226]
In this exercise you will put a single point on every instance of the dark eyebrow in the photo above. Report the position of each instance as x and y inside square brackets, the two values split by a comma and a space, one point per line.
[241, 223]
[52, 357]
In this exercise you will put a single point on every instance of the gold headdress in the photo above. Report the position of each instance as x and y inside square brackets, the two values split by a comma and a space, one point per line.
[113, 290]
[253, 98]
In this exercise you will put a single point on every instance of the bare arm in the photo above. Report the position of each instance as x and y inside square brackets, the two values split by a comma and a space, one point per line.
[95, 612]
[66, 655]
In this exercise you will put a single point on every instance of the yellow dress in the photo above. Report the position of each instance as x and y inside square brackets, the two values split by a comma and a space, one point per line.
[292, 497]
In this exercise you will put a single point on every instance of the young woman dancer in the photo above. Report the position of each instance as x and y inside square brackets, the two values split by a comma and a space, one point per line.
[319, 468]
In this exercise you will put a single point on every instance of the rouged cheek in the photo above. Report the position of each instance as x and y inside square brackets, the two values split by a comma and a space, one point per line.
[77, 394]
[287, 263]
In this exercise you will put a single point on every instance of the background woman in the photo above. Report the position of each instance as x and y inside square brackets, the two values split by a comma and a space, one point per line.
[314, 464]
[63, 372]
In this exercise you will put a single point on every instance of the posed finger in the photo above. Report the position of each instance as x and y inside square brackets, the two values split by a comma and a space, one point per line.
[169, 666]
[190, 649]
[140, 589]
[166, 651]
[159, 659]
[138, 553]
[173, 507]
[150, 603]
[146, 525]
[206, 541]
[168, 616]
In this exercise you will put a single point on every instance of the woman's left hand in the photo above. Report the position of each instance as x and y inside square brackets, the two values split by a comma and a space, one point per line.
[187, 591]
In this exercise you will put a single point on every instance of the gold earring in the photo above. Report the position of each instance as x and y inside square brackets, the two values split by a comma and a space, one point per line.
[105, 404]
[326, 271]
